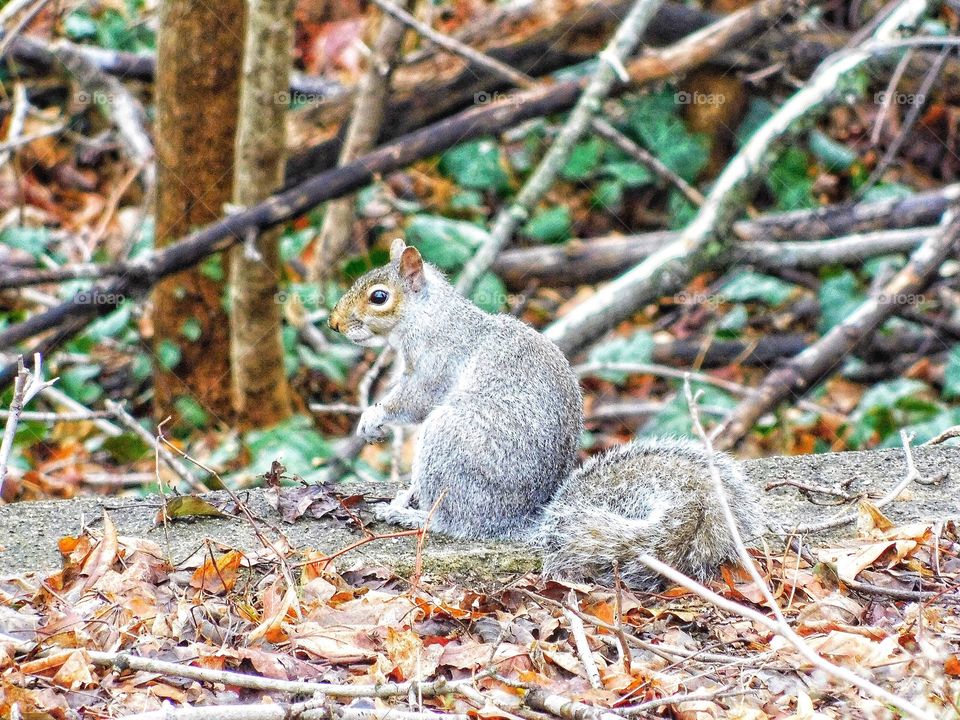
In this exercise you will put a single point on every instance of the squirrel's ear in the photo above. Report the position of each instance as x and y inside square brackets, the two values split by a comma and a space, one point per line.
[411, 268]
[396, 249]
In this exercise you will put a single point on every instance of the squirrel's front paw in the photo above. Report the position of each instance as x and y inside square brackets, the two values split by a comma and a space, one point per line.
[404, 517]
[370, 427]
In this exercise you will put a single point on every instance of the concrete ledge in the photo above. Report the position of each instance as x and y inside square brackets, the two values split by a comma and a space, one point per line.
[29, 531]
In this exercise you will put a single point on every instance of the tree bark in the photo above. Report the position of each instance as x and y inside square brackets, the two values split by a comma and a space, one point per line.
[362, 134]
[261, 394]
[199, 51]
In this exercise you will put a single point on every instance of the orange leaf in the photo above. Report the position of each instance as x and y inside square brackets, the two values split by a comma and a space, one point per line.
[220, 576]
[952, 666]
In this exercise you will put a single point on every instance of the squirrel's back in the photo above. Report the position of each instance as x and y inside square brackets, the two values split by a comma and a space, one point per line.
[650, 496]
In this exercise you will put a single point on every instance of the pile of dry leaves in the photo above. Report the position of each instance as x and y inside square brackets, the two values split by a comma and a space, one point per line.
[121, 630]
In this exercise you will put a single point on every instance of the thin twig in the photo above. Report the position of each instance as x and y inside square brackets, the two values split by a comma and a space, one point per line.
[131, 423]
[784, 630]
[912, 475]
[583, 646]
[25, 388]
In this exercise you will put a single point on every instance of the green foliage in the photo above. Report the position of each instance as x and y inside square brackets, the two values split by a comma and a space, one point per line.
[636, 349]
[552, 225]
[111, 28]
[733, 322]
[446, 243]
[490, 294]
[168, 354]
[749, 286]
[628, 172]
[477, 165]
[212, 267]
[675, 421]
[191, 412]
[654, 120]
[839, 296]
[789, 180]
[77, 382]
[834, 155]
[888, 406]
[294, 442]
[191, 329]
[583, 159]
[126, 448]
[681, 210]
[32, 240]
[951, 375]
[887, 191]
[110, 325]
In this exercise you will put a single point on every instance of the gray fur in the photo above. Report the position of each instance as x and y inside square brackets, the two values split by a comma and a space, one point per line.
[648, 496]
[499, 406]
[501, 416]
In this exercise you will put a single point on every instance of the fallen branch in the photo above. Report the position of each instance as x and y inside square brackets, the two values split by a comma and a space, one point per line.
[590, 261]
[126, 661]
[610, 67]
[804, 371]
[700, 244]
[138, 276]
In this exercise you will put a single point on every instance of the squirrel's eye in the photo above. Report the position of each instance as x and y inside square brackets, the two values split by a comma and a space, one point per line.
[379, 297]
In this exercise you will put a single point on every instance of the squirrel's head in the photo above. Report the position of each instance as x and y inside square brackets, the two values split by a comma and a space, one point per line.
[373, 306]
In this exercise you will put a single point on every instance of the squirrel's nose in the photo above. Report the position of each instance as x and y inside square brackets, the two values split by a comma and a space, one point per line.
[334, 322]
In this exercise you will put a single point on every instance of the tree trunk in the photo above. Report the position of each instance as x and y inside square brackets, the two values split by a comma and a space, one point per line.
[261, 395]
[362, 134]
[197, 94]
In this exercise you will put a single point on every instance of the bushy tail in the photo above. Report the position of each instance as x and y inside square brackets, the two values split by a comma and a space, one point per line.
[583, 542]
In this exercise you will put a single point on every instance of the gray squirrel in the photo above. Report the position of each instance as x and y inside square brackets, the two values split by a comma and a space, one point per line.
[501, 415]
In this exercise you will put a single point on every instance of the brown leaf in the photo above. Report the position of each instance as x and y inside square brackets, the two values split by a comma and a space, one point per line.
[102, 557]
[217, 576]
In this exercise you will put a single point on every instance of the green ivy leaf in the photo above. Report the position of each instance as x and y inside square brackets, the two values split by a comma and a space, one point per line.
[294, 442]
[168, 354]
[636, 349]
[549, 226]
[476, 165]
[191, 329]
[29, 239]
[749, 286]
[834, 155]
[446, 243]
[76, 382]
[583, 159]
[790, 182]
[490, 294]
[628, 172]
[839, 296]
[190, 411]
